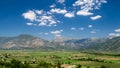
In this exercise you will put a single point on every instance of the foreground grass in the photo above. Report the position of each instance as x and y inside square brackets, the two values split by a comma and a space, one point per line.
[92, 60]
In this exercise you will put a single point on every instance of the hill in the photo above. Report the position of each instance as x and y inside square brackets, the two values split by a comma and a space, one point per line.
[109, 45]
[25, 41]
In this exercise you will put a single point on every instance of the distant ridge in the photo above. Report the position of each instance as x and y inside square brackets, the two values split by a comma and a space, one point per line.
[25, 41]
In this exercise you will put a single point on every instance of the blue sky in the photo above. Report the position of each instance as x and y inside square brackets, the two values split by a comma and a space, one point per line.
[60, 18]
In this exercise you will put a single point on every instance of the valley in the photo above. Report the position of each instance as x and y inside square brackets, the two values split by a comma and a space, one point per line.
[59, 59]
[27, 51]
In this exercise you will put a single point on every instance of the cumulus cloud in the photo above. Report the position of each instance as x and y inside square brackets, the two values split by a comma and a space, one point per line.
[112, 35]
[86, 6]
[78, 3]
[58, 11]
[82, 28]
[73, 28]
[46, 33]
[41, 18]
[58, 35]
[30, 15]
[115, 34]
[95, 17]
[57, 32]
[52, 6]
[84, 13]
[29, 24]
[90, 26]
[61, 1]
[69, 15]
[93, 32]
[48, 18]
[39, 11]
[89, 4]
[117, 30]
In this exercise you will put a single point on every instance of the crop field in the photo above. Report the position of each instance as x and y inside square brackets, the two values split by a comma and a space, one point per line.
[60, 59]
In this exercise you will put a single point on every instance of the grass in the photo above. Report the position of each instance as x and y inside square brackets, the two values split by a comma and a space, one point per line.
[67, 57]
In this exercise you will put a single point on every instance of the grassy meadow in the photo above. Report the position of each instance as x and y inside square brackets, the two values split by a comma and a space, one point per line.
[59, 59]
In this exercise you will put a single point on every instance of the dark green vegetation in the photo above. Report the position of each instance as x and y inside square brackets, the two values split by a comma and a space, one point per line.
[53, 59]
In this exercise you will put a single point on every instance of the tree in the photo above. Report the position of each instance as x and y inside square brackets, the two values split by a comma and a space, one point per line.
[79, 66]
[43, 64]
[103, 66]
[58, 65]
[18, 64]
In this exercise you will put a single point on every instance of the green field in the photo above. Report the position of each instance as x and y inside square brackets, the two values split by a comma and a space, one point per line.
[64, 58]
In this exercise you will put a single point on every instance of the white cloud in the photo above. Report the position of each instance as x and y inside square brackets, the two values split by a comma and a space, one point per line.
[117, 30]
[41, 18]
[29, 24]
[39, 11]
[30, 15]
[69, 15]
[42, 24]
[61, 1]
[89, 4]
[46, 33]
[86, 6]
[93, 32]
[78, 3]
[58, 11]
[90, 26]
[84, 13]
[111, 35]
[52, 6]
[46, 20]
[73, 28]
[115, 34]
[96, 17]
[81, 28]
[57, 33]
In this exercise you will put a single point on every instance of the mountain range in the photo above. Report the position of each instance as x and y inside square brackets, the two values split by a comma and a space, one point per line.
[26, 41]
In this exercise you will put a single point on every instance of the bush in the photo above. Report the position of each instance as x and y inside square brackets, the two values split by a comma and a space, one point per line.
[43, 64]
[103, 66]
[79, 66]
[18, 64]
[58, 65]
